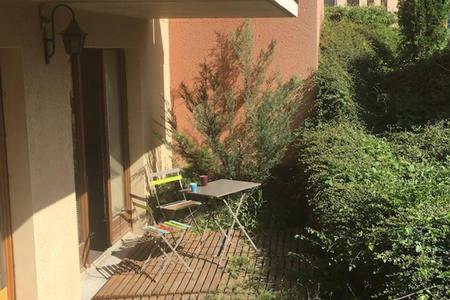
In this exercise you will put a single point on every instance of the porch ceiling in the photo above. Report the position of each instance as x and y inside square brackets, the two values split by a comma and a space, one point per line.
[188, 8]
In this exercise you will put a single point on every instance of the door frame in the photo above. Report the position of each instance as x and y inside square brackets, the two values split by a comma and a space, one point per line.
[122, 223]
[81, 184]
[5, 212]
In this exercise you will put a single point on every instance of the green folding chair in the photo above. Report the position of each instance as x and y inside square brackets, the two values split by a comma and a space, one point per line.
[159, 180]
[159, 233]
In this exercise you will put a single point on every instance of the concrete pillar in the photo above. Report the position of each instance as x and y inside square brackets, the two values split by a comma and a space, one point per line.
[49, 124]
[19, 173]
[40, 159]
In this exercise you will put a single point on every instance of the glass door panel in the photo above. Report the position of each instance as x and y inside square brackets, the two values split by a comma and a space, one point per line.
[113, 116]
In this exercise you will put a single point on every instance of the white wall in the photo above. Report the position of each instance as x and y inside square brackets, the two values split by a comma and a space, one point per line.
[39, 136]
[18, 168]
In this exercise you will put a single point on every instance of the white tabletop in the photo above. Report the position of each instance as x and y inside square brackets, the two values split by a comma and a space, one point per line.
[224, 187]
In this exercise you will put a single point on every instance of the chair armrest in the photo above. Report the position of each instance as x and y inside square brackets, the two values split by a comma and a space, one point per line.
[184, 190]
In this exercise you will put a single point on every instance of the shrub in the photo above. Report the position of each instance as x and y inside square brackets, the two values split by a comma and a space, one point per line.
[423, 26]
[416, 243]
[242, 112]
[372, 15]
[432, 142]
[416, 95]
[382, 216]
[377, 169]
[353, 55]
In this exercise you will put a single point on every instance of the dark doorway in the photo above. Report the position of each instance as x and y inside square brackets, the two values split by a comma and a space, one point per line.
[92, 97]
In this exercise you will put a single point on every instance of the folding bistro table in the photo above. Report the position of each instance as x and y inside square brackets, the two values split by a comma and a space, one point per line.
[221, 190]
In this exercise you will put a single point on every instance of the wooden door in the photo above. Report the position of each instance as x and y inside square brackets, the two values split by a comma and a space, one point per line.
[6, 254]
[80, 162]
[101, 148]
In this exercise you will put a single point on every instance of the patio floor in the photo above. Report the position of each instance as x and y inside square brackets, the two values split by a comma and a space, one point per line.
[270, 268]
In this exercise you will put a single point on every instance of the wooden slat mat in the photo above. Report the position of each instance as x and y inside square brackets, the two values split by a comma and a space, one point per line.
[270, 268]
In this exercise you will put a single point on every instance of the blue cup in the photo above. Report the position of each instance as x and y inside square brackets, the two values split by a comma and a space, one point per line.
[194, 187]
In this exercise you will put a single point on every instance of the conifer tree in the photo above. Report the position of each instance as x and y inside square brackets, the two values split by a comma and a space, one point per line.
[242, 111]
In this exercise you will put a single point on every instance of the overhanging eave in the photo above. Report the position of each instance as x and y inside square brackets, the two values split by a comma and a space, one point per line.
[188, 8]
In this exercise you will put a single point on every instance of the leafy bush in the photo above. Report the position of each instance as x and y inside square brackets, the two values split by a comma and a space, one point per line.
[242, 112]
[372, 15]
[416, 94]
[378, 171]
[423, 25]
[433, 142]
[382, 212]
[250, 214]
[353, 56]
[416, 243]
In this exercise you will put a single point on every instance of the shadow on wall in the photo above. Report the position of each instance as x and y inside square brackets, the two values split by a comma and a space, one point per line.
[147, 135]
[296, 53]
[13, 98]
[148, 126]
[37, 102]
[38, 121]
[160, 104]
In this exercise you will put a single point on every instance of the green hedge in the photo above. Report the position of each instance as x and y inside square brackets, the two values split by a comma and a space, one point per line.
[372, 15]
[382, 206]
[416, 94]
[353, 55]
[377, 169]
[424, 27]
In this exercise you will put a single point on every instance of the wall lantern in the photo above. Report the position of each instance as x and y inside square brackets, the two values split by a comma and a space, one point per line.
[73, 37]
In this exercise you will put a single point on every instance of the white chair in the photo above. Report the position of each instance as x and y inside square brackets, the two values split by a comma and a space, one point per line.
[159, 233]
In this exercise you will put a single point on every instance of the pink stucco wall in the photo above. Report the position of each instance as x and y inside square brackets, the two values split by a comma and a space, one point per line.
[296, 53]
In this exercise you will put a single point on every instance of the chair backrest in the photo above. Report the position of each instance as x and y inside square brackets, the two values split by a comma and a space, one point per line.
[165, 178]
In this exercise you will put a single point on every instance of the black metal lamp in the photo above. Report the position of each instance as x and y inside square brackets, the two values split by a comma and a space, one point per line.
[73, 36]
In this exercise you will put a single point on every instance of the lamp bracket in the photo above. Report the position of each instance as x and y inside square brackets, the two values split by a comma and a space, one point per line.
[49, 36]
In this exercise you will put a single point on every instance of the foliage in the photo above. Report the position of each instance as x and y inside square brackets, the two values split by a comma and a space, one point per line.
[249, 214]
[433, 142]
[285, 294]
[353, 54]
[376, 154]
[413, 97]
[244, 284]
[372, 15]
[242, 112]
[383, 211]
[238, 264]
[423, 26]
[361, 77]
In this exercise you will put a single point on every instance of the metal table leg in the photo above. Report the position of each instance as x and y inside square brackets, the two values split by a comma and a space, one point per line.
[240, 225]
[235, 220]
